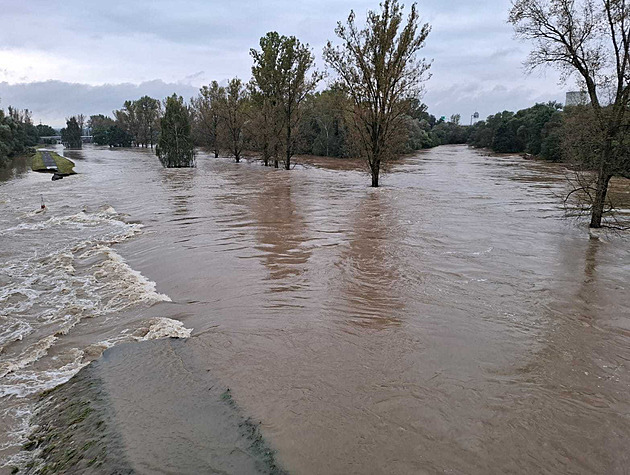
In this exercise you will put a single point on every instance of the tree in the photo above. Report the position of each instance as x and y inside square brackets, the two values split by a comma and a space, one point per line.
[295, 62]
[592, 40]
[175, 147]
[71, 135]
[379, 68]
[80, 122]
[281, 76]
[127, 119]
[264, 89]
[45, 130]
[17, 132]
[99, 126]
[147, 112]
[326, 114]
[117, 137]
[233, 109]
[206, 112]
[265, 126]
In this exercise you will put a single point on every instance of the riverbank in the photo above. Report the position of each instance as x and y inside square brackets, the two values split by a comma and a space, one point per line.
[142, 408]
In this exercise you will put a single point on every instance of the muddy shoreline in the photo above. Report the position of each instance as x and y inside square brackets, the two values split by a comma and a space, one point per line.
[145, 407]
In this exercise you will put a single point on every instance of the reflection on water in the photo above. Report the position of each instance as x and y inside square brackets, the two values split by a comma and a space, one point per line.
[281, 233]
[14, 167]
[369, 265]
[179, 184]
[451, 321]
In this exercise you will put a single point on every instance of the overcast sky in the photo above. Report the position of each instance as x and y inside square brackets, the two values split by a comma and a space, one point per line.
[60, 58]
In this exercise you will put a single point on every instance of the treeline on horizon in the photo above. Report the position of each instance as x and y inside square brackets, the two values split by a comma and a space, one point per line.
[538, 130]
[324, 130]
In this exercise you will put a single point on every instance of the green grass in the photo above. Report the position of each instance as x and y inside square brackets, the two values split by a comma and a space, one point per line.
[64, 166]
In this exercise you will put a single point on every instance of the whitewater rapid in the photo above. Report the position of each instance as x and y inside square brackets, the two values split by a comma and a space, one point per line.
[71, 274]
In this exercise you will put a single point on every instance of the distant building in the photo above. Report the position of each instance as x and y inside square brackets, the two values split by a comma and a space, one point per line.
[577, 98]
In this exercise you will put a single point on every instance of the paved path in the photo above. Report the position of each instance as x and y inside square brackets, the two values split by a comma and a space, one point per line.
[49, 162]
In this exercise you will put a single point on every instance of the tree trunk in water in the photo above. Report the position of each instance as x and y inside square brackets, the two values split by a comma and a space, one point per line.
[287, 163]
[216, 154]
[375, 168]
[597, 210]
[265, 155]
[275, 163]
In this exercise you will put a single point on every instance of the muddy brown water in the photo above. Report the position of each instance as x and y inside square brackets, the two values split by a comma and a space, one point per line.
[452, 321]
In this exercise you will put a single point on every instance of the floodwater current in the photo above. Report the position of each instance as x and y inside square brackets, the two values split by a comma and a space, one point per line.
[451, 321]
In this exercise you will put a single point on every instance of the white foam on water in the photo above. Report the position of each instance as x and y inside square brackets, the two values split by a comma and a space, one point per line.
[28, 356]
[74, 221]
[47, 296]
[43, 297]
[12, 329]
[166, 328]
[30, 382]
[27, 382]
[123, 285]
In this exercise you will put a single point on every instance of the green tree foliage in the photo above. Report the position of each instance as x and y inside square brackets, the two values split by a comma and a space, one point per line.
[140, 119]
[265, 93]
[148, 112]
[234, 110]
[99, 126]
[324, 130]
[379, 68]
[45, 130]
[444, 133]
[282, 79]
[71, 134]
[175, 146]
[17, 132]
[532, 130]
[127, 119]
[206, 116]
[117, 137]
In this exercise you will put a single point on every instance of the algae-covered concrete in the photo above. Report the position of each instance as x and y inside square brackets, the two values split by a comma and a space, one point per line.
[146, 407]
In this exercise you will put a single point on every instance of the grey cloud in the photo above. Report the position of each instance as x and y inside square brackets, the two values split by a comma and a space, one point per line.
[52, 101]
[189, 42]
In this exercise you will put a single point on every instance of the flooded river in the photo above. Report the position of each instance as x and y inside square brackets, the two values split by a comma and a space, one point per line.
[452, 321]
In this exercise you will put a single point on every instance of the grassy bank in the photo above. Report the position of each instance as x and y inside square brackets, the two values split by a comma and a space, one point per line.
[64, 166]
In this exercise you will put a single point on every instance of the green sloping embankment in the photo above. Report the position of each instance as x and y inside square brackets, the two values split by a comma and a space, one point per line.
[64, 166]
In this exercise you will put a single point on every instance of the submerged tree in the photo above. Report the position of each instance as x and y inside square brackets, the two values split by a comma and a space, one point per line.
[175, 147]
[99, 126]
[205, 108]
[148, 111]
[233, 109]
[379, 68]
[282, 81]
[264, 92]
[81, 122]
[590, 38]
[71, 135]
[128, 120]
